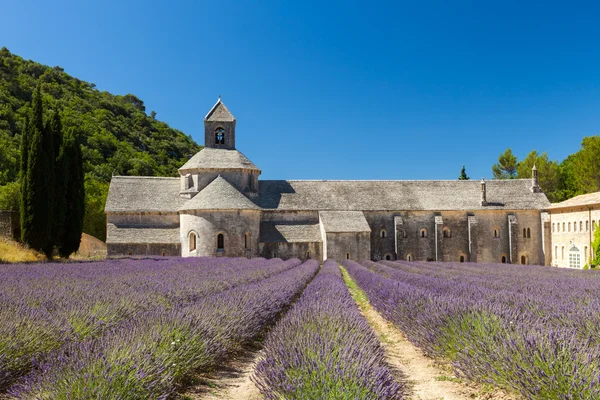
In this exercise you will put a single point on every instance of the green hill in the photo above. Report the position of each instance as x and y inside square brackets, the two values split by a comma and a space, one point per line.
[117, 136]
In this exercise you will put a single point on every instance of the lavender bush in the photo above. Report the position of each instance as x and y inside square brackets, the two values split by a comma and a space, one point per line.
[58, 307]
[324, 349]
[533, 330]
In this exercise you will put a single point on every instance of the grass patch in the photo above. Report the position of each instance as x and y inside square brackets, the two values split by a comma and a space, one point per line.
[13, 252]
[357, 293]
[444, 378]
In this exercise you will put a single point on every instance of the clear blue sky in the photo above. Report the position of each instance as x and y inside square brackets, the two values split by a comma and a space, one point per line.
[348, 90]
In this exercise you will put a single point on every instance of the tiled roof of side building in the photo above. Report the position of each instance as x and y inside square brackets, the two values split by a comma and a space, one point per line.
[209, 158]
[512, 194]
[284, 232]
[143, 194]
[219, 195]
[136, 234]
[584, 200]
[344, 221]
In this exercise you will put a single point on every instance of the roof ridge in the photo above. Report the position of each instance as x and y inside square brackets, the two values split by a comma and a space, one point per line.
[392, 180]
[144, 177]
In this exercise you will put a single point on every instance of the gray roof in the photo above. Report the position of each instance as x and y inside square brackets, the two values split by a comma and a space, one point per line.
[344, 221]
[143, 194]
[284, 232]
[219, 195]
[137, 234]
[513, 194]
[584, 200]
[209, 158]
[219, 113]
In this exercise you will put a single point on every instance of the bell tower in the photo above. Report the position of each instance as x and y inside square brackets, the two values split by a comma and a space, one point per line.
[219, 127]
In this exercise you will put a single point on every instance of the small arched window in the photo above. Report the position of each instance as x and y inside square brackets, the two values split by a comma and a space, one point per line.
[496, 233]
[587, 226]
[447, 232]
[247, 240]
[274, 254]
[423, 233]
[528, 233]
[569, 225]
[383, 234]
[524, 260]
[580, 226]
[462, 259]
[503, 259]
[553, 227]
[564, 227]
[409, 257]
[347, 256]
[220, 136]
[220, 242]
[308, 254]
[192, 241]
[163, 254]
[524, 233]
[585, 254]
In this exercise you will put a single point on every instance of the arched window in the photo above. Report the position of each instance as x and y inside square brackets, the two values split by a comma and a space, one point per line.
[523, 260]
[388, 256]
[587, 226]
[580, 226]
[569, 225]
[163, 254]
[503, 259]
[528, 233]
[409, 257]
[423, 233]
[192, 241]
[220, 136]
[574, 257]
[447, 232]
[274, 254]
[562, 252]
[564, 227]
[462, 259]
[496, 233]
[247, 240]
[347, 256]
[308, 254]
[585, 254]
[553, 227]
[556, 252]
[220, 242]
[524, 233]
[383, 234]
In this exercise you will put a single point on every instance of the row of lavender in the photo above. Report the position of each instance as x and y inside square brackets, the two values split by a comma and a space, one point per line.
[534, 330]
[324, 349]
[134, 326]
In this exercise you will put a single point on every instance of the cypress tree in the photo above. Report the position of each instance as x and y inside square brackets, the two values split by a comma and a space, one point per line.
[60, 178]
[37, 191]
[463, 174]
[74, 195]
[24, 148]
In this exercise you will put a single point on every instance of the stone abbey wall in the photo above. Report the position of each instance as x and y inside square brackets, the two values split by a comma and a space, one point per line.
[10, 225]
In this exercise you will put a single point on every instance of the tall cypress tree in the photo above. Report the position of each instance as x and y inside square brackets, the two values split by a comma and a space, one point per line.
[74, 195]
[60, 179]
[24, 148]
[37, 191]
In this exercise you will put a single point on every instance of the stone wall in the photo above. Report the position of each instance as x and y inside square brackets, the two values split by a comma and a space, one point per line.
[285, 251]
[244, 180]
[143, 250]
[348, 245]
[232, 224]
[210, 129]
[572, 233]
[10, 225]
[153, 220]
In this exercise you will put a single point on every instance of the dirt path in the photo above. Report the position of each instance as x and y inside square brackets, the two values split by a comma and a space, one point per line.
[230, 381]
[426, 379]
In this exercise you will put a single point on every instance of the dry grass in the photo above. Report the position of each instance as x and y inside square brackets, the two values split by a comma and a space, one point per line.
[13, 252]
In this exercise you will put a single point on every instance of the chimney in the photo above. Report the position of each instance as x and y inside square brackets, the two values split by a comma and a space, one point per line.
[535, 187]
[483, 193]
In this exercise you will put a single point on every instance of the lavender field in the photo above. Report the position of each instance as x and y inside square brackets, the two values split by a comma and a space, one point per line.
[529, 329]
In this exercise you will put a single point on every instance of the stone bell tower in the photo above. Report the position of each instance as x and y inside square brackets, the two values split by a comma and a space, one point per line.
[219, 127]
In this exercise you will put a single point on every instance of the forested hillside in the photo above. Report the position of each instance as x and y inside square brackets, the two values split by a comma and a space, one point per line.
[116, 134]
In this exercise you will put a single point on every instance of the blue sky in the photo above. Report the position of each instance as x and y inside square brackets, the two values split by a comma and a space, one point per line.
[340, 90]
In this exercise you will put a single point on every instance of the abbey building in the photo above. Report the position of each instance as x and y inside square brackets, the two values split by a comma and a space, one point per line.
[218, 206]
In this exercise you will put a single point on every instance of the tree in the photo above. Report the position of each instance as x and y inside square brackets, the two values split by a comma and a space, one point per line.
[586, 165]
[548, 173]
[37, 188]
[60, 178]
[69, 242]
[10, 196]
[596, 247]
[506, 168]
[463, 174]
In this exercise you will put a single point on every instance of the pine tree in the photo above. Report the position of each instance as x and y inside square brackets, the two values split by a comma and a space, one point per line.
[74, 194]
[463, 174]
[60, 178]
[506, 168]
[37, 198]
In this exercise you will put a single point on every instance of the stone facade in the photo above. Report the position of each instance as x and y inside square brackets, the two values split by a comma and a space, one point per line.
[572, 224]
[10, 225]
[219, 207]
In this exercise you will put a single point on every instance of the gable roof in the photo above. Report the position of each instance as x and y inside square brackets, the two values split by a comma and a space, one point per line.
[513, 194]
[219, 112]
[219, 195]
[344, 221]
[584, 200]
[283, 232]
[210, 158]
[143, 194]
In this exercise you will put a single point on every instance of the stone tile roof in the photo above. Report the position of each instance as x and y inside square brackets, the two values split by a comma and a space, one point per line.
[584, 200]
[219, 195]
[143, 194]
[514, 194]
[143, 235]
[219, 112]
[344, 221]
[283, 232]
[209, 158]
